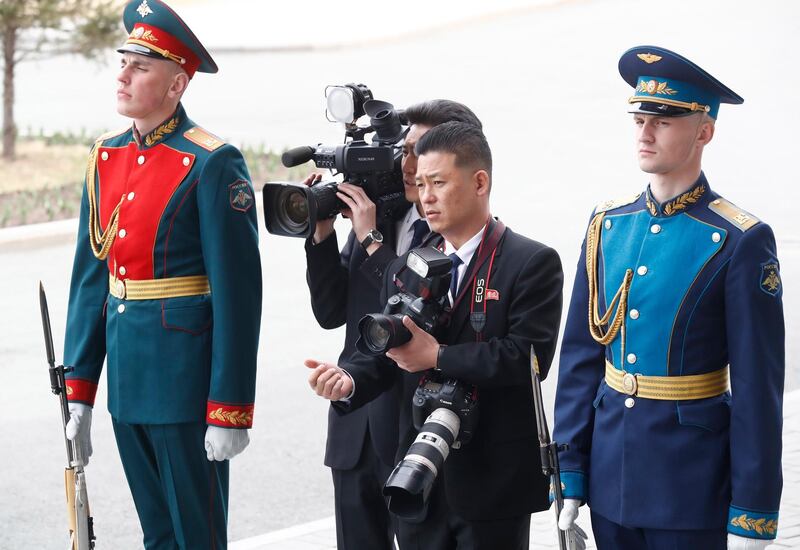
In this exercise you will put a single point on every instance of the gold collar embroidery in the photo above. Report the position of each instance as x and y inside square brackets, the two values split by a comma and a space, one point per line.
[678, 204]
[160, 133]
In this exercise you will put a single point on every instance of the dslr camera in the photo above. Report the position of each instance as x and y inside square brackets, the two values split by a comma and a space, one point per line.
[444, 409]
[292, 209]
[379, 332]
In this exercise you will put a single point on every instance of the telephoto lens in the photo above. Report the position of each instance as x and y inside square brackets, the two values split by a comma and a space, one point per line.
[410, 482]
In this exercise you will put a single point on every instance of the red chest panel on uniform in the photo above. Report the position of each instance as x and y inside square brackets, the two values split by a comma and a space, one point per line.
[147, 180]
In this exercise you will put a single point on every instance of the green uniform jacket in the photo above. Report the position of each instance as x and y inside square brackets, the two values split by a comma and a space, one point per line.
[186, 208]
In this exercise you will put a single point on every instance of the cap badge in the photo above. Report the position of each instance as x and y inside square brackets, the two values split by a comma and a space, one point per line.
[143, 9]
[649, 57]
[140, 34]
[655, 88]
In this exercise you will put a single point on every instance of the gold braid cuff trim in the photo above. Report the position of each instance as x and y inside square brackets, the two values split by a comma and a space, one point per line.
[99, 240]
[668, 388]
[761, 525]
[156, 289]
[234, 418]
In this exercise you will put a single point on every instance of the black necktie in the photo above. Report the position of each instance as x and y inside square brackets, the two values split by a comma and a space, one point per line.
[421, 229]
[454, 275]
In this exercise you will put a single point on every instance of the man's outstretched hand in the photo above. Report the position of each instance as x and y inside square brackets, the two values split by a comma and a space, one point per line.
[328, 380]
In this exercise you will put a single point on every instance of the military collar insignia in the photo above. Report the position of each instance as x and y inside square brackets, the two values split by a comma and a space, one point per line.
[649, 57]
[161, 132]
[677, 205]
[143, 9]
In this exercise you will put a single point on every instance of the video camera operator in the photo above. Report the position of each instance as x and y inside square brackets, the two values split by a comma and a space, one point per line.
[505, 293]
[344, 287]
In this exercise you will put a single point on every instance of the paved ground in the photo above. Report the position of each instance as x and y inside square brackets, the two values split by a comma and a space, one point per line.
[554, 111]
[321, 535]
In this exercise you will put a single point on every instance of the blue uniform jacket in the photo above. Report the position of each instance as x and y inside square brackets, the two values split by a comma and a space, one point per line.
[186, 209]
[705, 293]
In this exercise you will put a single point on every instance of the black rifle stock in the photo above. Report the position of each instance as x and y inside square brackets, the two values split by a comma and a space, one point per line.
[81, 528]
[548, 449]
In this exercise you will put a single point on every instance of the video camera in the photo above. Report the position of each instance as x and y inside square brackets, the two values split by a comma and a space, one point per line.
[292, 209]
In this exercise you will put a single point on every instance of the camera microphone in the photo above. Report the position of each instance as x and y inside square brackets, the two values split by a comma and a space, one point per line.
[297, 156]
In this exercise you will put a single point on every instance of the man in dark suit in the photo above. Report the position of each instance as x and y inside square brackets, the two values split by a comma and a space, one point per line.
[487, 489]
[344, 287]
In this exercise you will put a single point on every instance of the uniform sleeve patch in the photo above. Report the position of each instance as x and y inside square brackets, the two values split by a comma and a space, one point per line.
[240, 195]
[771, 278]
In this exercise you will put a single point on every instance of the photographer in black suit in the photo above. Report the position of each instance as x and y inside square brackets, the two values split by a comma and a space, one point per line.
[345, 286]
[485, 492]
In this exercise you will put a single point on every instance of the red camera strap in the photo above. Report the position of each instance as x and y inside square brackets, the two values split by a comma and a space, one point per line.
[480, 275]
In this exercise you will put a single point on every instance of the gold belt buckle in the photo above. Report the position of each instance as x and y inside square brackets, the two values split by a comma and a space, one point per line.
[120, 284]
[630, 384]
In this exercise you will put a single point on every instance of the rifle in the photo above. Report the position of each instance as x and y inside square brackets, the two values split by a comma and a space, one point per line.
[81, 526]
[548, 449]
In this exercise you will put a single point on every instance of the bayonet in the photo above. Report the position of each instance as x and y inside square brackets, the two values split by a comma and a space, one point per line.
[548, 449]
[81, 528]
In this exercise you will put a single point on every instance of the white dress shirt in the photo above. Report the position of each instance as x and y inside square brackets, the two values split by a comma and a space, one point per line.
[405, 230]
[466, 252]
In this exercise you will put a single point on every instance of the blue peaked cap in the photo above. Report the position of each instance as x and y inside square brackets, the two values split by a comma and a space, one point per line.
[668, 84]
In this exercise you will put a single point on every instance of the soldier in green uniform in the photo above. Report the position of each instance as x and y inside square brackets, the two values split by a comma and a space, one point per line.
[166, 287]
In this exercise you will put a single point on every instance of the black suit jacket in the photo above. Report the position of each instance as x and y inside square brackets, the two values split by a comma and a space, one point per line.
[498, 474]
[345, 287]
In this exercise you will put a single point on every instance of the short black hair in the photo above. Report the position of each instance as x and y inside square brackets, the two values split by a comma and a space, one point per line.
[438, 111]
[465, 141]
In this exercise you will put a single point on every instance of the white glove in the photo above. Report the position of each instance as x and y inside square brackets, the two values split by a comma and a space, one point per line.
[735, 542]
[576, 537]
[224, 443]
[80, 426]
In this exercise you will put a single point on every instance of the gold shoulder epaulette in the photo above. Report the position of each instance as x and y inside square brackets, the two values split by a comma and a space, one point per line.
[612, 204]
[738, 217]
[204, 139]
[112, 133]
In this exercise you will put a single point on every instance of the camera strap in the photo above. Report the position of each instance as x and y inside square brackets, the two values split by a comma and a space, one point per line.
[480, 274]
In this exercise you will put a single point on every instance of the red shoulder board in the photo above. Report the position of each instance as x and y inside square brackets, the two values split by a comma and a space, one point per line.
[204, 139]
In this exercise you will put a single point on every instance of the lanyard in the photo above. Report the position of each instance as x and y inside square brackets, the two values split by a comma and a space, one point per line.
[480, 274]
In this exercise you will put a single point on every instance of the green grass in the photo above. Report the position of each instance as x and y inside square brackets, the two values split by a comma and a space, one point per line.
[45, 182]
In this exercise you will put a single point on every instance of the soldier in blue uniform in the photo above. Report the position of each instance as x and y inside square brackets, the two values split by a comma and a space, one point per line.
[166, 286]
[670, 398]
